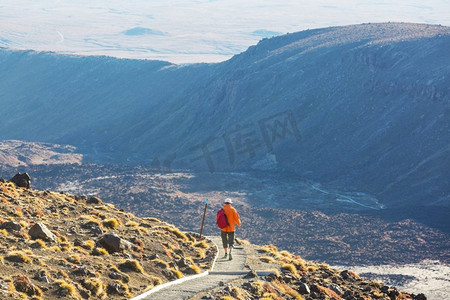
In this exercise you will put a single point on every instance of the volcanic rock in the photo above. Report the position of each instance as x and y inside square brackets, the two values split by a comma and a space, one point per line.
[40, 231]
[113, 243]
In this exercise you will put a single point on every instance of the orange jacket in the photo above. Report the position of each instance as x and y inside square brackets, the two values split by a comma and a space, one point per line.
[233, 218]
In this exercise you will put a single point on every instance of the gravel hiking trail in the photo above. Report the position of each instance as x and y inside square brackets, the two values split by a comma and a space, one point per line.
[224, 271]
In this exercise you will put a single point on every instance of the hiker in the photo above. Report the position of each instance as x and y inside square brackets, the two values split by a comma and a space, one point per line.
[228, 231]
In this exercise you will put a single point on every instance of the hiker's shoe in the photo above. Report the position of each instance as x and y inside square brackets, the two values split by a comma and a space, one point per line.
[225, 256]
[230, 257]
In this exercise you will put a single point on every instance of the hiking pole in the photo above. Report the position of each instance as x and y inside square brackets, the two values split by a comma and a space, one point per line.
[204, 213]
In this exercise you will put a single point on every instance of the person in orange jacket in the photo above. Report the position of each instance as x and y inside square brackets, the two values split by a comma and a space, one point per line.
[228, 232]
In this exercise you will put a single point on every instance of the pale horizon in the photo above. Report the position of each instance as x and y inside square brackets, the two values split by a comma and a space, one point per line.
[187, 31]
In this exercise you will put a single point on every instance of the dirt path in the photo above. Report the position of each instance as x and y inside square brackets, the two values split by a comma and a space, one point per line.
[224, 271]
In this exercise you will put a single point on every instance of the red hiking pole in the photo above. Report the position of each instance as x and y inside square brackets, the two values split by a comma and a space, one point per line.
[203, 220]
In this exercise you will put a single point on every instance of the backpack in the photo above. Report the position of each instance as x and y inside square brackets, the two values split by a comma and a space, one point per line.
[221, 218]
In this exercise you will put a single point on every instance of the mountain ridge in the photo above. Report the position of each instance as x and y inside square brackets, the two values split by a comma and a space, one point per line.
[353, 98]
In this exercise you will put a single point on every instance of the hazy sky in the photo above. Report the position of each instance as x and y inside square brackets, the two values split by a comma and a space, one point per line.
[188, 30]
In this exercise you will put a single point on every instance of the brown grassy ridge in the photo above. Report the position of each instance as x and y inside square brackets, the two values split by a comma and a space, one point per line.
[292, 277]
[76, 266]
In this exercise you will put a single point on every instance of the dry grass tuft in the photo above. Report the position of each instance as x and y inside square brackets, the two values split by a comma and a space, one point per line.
[268, 259]
[287, 290]
[258, 288]
[80, 250]
[328, 292]
[131, 265]
[9, 287]
[112, 223]
[65, 247]
[39, 244]
[89, 245]
[90, 220]
[18, 211]
[18, 256]
[300, 264]
[195, 269]
[54, 249]
[354, 274]
[275, 271]
[142, 230]
[242, 242]
[120, 288]
[177, 233]
[67, 290]
[60, 238]
[291, 268]
[311, 268]
[23, 224]
[155, 280]
[201, 244]
[270, 292]
[201, 253]
[99, 251]
[269, 249]
[153, 220]
[74, 258]
[132, 224]
[95, 286]
[285, 254]
[177, 273]
[160, 263]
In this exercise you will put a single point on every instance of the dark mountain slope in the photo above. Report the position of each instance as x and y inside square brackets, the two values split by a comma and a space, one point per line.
[364, 107]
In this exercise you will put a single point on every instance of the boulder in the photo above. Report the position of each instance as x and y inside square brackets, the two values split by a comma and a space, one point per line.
[336, 288]
[96, 230]
[189, 271]
[348, 294]
[251, 274]
[11, 226]
[23, 284]
[113, 243]
[21, 180]
[419, 297]
[393, 293]
[94, 200]
[40, 231]
[115, 288]
[182, 263]
[303, 288]
[153, 256]
[349, 275]
[121, 277]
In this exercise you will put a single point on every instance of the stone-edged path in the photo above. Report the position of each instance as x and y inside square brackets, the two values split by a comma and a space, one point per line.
[224, 270]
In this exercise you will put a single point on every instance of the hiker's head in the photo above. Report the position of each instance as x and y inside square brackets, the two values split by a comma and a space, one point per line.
[228, 201]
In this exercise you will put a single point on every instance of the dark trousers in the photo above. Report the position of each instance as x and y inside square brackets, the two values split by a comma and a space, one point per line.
[227, 239]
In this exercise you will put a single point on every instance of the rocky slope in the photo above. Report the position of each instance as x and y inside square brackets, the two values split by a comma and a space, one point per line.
[363, 107]
[301, 220]
[294, 278]
[55, 245]
[291, 277]
[20, 154]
